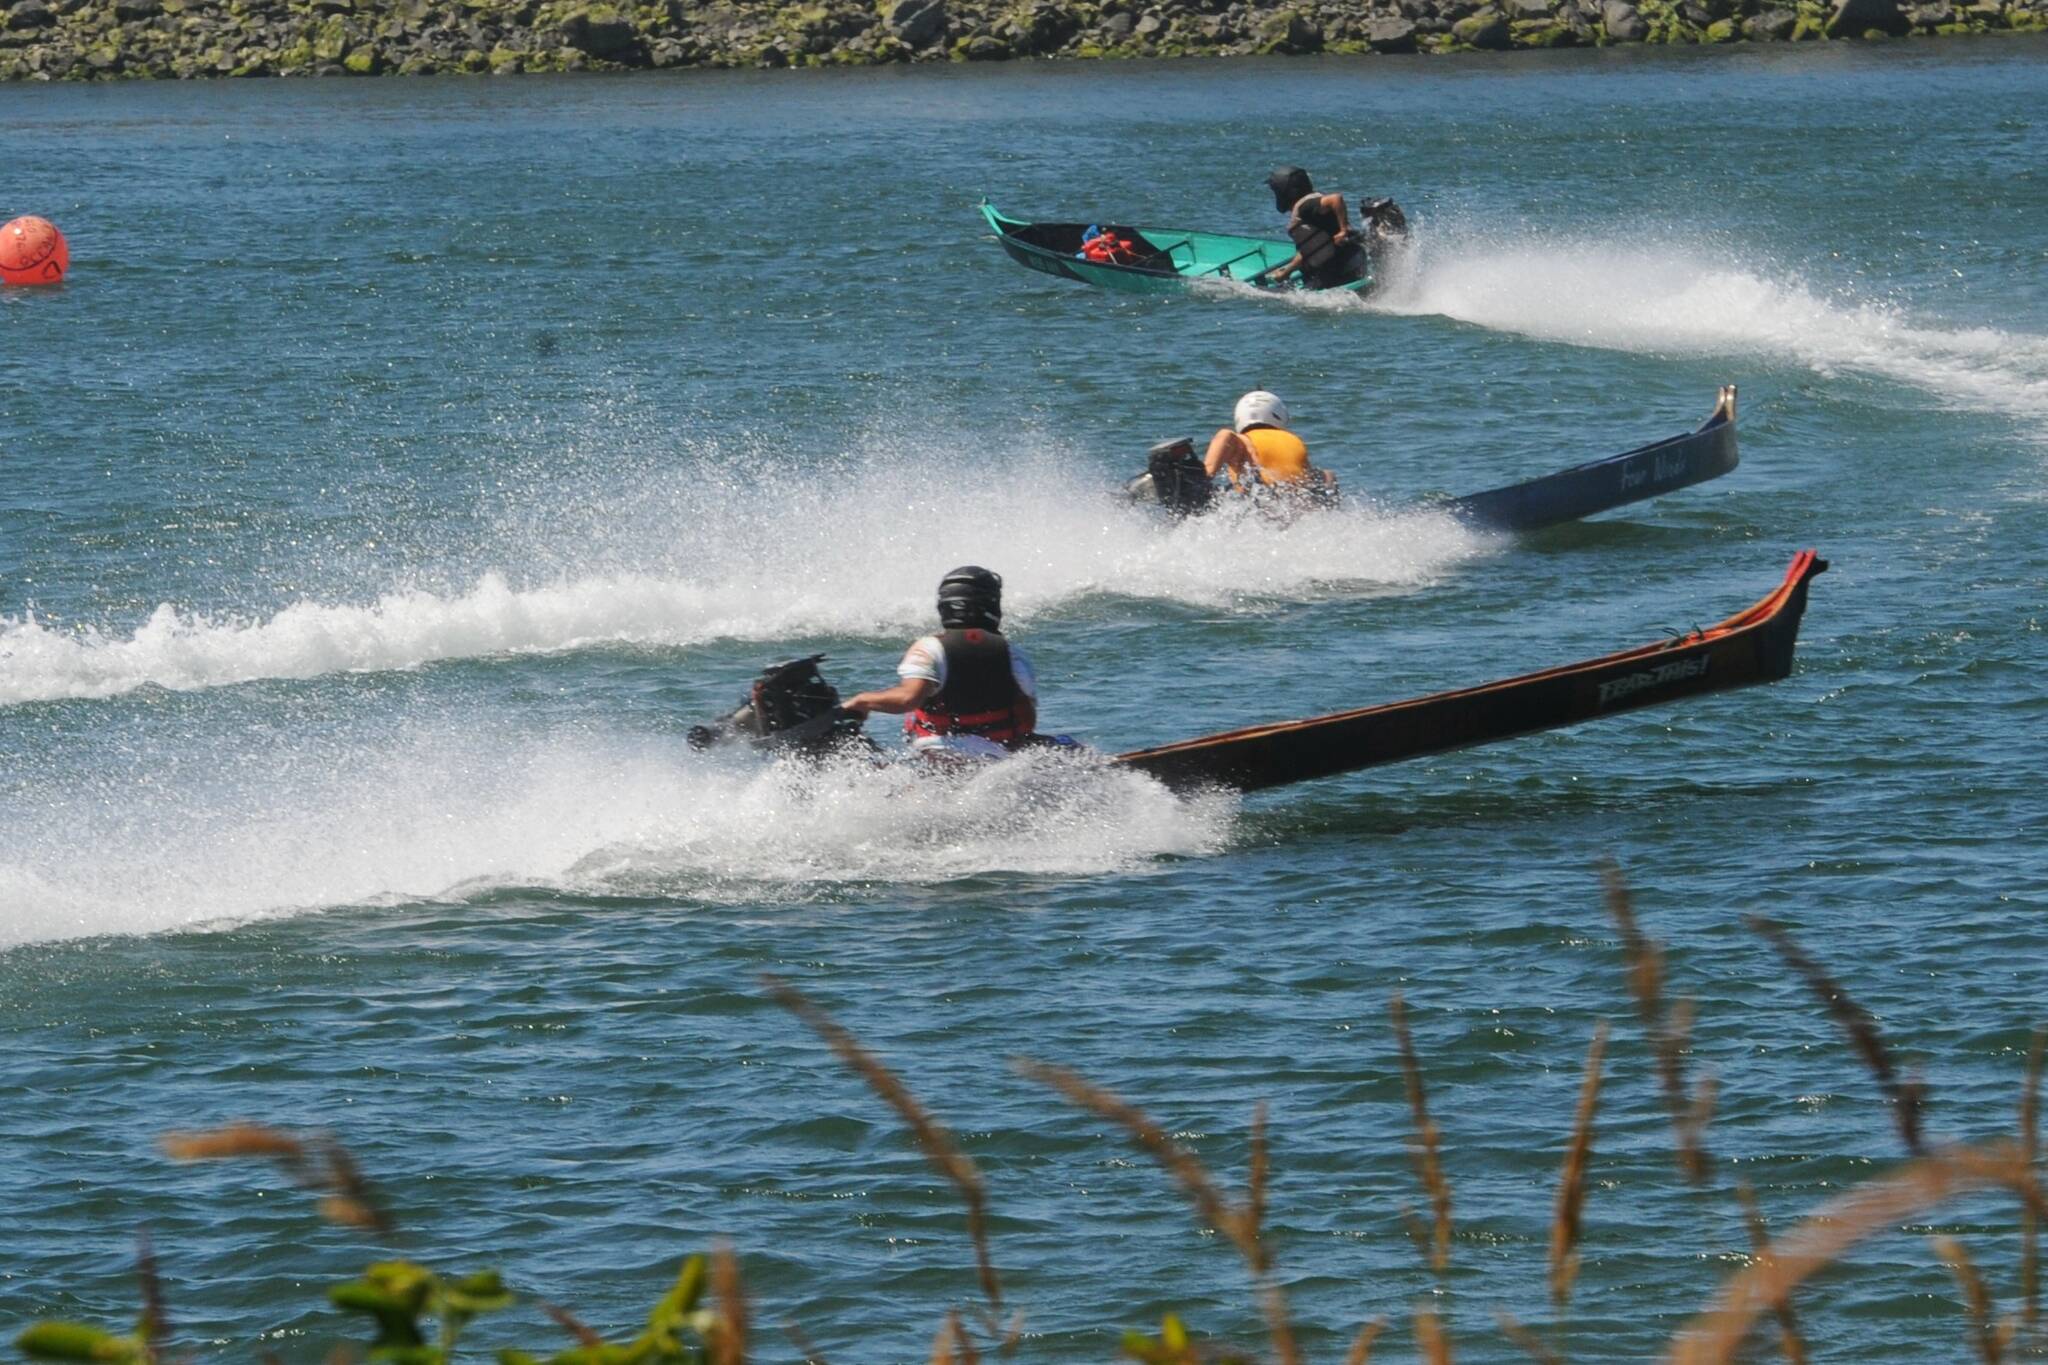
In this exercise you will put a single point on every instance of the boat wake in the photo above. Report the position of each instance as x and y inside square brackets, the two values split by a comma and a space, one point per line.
[683, 555]
[1649, 297]
[211, 840]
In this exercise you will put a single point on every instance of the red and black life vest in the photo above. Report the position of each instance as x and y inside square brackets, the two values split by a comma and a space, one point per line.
[980, 694]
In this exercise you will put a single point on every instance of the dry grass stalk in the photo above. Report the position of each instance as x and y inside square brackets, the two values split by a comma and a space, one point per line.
[806, 1348]
[1432, 1338]
[1790, 1342]
[1423, 1142]
[1976, 1298]
[1179, 1162]
[571, 1324]
[953, 1346]
[1525, 1337]
[932, 1138]
[319, 1164]
[231, 1141]
[156, 1317]
[1571, 1184]
[942, 1345]
[353, 1202]
[1361, 1345]
[1012, 1336]
[1907, 1097]
[1255, 1186]
[1185, 1167]
[1837, 1227]
[1668, 1028]
[2030, 1225]
[729, 1335]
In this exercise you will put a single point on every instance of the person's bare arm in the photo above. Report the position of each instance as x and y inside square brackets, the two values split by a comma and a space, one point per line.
[1279, 272]
[1226, 448]
[907, 695]
[1336, 202]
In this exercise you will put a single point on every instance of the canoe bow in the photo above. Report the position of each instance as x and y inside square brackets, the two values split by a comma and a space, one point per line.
[1753, 646]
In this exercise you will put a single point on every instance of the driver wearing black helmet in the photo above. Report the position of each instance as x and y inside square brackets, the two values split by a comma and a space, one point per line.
[965, 690]
[1328, 251]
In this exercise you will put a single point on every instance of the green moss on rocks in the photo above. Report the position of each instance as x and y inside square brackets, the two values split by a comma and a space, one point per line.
[1485, 29]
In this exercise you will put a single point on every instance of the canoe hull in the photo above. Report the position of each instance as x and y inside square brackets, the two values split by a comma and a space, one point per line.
[1180, 259]
[1754, 646]
[1601, 485]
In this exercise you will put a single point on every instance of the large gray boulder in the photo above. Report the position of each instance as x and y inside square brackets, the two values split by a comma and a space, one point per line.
[1390, 35]
[1623, 24]
[1772, 26]
[1486, 29]
[1528, 9]
[918, 22]
[1852, 18]
[30, 14]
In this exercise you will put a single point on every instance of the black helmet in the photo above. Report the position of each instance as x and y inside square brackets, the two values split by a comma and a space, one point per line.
[971, 596]
[1289, 184]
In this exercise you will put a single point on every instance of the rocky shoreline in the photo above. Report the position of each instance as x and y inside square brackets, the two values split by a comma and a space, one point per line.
[126, 39]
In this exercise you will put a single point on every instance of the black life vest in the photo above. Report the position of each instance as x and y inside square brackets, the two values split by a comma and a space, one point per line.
[980, 694]
[1323, 261]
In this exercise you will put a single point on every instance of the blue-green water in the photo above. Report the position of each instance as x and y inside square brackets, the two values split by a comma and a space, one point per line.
[406, 465]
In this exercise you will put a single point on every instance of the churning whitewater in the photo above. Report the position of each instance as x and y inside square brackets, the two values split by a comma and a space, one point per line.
[1646, 291]
[680, 556]
[239, 828]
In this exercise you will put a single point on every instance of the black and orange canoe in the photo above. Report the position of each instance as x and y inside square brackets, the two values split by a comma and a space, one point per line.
[1753, 646]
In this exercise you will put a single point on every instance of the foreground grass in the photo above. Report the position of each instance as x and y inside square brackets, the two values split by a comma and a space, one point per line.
[405, 1313]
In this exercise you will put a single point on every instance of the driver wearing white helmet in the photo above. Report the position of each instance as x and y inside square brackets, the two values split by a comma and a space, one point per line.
[1257, 448]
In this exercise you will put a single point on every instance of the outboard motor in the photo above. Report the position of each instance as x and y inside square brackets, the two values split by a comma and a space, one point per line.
[790, 707]
[1175, 479]
[1385, 224]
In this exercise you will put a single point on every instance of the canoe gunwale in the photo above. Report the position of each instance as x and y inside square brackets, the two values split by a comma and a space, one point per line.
[1753, 646]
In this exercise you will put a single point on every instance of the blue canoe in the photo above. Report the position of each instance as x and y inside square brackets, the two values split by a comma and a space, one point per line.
[1602, 485]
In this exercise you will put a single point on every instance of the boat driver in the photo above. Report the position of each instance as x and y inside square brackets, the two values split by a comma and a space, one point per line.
[1257, 450]
[1329, 253]
[966, 691]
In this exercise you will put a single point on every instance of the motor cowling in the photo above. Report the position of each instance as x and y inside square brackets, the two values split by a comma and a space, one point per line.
[1175, 479]
[1385, 224]
[790, 706]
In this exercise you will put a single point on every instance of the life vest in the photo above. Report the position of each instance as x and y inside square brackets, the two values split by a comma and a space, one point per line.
[1323, 262]
[1110, 248]
[1282, 457]
[980, 694]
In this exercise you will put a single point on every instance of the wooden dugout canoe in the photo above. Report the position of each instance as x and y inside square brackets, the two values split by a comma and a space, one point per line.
[1753, 646]
[1600, 485]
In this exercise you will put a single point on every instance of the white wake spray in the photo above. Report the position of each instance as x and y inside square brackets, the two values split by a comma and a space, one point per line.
[441, 812]
[690, 553]
[1632, 294]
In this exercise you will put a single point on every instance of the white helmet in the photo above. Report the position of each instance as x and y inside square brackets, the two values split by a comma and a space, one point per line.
[1260, 409]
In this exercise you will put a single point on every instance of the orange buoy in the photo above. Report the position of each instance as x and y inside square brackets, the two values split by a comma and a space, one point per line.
[32, 251]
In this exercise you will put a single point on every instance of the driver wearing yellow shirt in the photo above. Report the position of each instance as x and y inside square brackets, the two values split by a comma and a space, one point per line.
[1257, 448]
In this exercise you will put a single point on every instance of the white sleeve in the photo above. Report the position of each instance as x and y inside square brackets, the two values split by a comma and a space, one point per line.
[1021, 670]
[925, 660]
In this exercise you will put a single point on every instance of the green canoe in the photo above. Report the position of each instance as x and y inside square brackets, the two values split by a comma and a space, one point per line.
[1177, 258]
